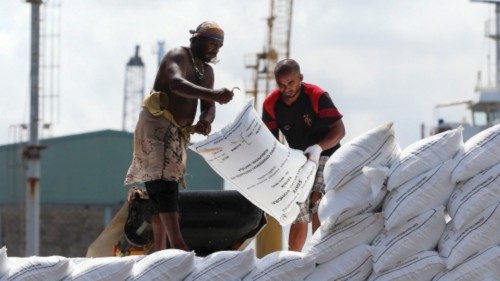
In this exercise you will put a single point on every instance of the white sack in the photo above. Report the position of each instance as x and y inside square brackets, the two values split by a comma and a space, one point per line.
[481, 232]
[282, 265]
[270, 175]
[421, 266]
[480, 152]
[474, 195]
[354, 198]
[170, 264]
[426, 191]
[353, 265]
[223, 266]
[330, 241]
[423, 155]
[484, 265]
[3, 261]
[376, 147]
[102, 269]
[37, 268]
[400, 243]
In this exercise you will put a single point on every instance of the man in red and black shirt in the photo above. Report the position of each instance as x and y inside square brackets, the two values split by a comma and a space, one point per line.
[307, 117]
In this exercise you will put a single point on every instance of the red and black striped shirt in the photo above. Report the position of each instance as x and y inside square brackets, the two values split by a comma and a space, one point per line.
[306, 121]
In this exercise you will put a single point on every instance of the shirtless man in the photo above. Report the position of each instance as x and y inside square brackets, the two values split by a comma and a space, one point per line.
[166, 122]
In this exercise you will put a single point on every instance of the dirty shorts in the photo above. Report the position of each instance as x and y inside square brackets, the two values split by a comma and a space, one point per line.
[306, 210]
[159, 151]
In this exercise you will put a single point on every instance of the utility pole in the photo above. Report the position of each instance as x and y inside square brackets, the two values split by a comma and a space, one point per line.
[32, 152]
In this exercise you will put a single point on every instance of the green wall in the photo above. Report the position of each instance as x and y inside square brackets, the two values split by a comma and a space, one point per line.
[87, 169]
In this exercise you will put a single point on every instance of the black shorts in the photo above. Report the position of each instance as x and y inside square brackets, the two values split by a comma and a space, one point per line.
[164, 195]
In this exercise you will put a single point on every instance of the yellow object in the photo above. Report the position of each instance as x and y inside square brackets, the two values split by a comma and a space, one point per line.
[152, 104]
[104, 245]
[269, 239]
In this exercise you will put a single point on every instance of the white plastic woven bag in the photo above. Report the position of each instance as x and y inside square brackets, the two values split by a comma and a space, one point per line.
[480, 152]
[424, 155]
[471, 197]
[374, 148]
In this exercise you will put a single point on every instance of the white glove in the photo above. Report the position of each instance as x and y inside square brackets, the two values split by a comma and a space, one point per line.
[313, 152]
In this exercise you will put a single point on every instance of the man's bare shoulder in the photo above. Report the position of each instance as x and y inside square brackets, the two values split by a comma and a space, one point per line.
[209, 69]
[176, 54]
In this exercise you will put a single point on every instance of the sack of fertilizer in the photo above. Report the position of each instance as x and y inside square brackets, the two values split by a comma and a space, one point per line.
[377, 147]
[481, 232]
[424, 155]
[353, 265]
[223, 265]
[400, 243]
[421, 266]
[484, 265]
[480, 152]
[426, 191]
[474, 195]
[102, 269]
[282, 265]
[362, 195]
[269, 174]
[330, 241]
[169, 264]
[3, 261]
[37, 268]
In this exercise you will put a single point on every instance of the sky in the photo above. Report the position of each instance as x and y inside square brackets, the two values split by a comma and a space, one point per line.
[381, 61]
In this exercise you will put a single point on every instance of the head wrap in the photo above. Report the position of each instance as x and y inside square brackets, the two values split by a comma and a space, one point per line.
[209, 29]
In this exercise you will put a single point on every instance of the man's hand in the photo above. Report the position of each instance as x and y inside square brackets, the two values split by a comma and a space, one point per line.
[203, 127]
[223, 95]
[313, 153]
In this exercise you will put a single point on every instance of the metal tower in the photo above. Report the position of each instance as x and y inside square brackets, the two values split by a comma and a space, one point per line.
[134, 91]
[50, 48]
[277, 47]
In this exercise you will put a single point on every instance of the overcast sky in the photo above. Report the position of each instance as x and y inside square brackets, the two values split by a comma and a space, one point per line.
[380, 60]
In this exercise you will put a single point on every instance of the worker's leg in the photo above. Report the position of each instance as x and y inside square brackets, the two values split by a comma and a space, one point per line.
[298, 229]
[159, 233]
[169, 213]
[317, 193]
[163, 196]
[315, 198]
[297, 236]
[171, 222]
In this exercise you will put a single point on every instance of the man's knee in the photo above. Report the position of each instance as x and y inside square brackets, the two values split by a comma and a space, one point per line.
[315, 197]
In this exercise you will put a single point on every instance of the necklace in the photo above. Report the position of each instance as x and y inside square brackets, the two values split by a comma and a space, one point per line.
[199, 73]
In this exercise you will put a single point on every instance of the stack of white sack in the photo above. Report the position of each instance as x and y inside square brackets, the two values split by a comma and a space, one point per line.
[420, 185]
[354, 177]
[168, 264]
[471, 236]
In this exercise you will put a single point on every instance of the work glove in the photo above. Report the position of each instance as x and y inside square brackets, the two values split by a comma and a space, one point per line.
[313, 153]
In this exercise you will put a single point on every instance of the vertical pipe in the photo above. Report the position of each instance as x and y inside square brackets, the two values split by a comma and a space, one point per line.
[32, 153]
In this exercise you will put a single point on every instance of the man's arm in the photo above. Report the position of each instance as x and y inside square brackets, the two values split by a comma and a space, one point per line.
[270, 123]
[207, 112]
[334, 135]
[176, 67]
[328, 113]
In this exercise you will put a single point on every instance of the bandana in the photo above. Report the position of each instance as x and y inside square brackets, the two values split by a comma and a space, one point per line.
[210, 30]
